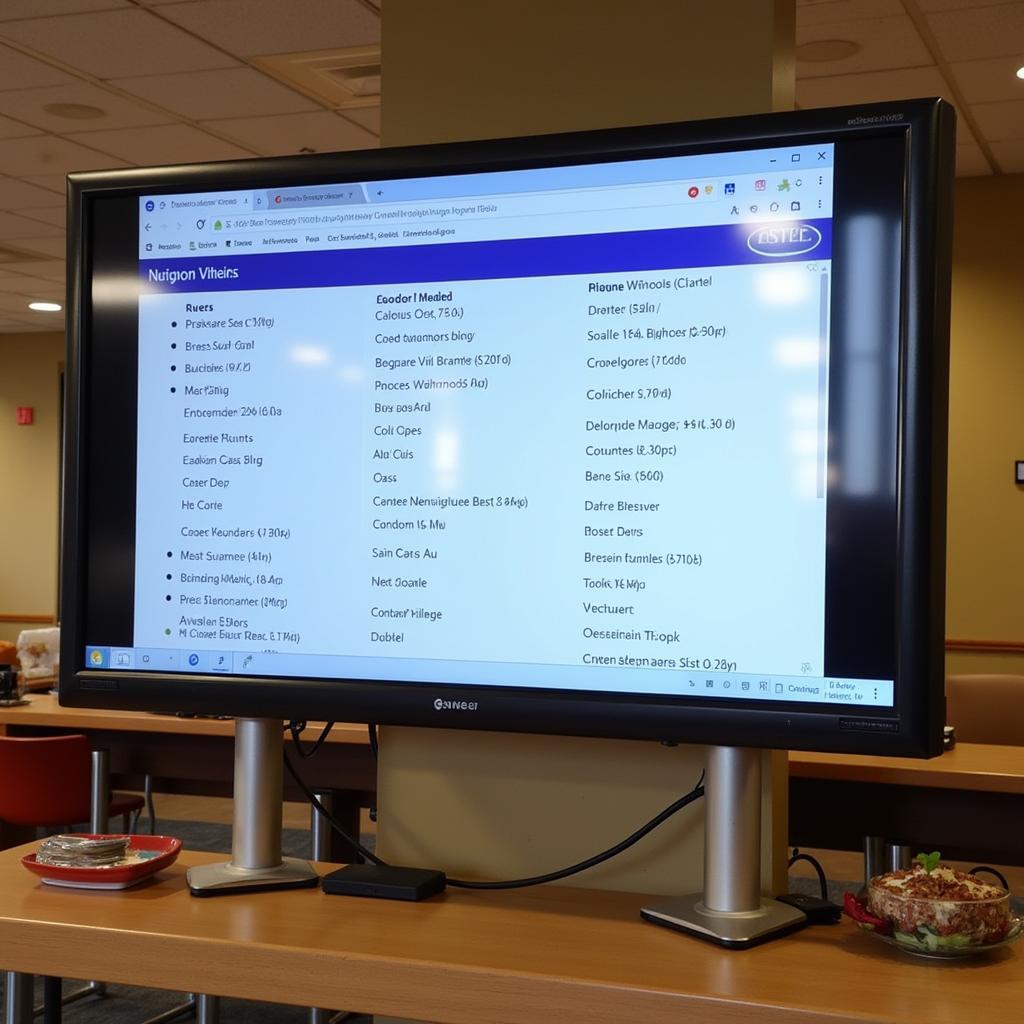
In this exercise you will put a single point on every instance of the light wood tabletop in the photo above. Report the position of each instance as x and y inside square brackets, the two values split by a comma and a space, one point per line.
[549, 954]
[973, 766]
[43, 709]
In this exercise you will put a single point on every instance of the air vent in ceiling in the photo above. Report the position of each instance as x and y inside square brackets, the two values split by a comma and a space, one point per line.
[344, 78]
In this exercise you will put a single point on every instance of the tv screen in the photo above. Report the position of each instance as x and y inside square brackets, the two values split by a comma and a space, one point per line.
[634, 433]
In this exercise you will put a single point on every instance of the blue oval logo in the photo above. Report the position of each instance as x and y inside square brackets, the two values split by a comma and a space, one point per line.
[784, 239]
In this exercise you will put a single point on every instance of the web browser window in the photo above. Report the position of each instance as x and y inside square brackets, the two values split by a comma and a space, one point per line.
[561, 427]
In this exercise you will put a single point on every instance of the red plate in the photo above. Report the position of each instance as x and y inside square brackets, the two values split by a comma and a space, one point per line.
[160, 851]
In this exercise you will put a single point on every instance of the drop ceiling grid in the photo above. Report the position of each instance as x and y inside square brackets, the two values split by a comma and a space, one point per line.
[187, 65]
[179, 86]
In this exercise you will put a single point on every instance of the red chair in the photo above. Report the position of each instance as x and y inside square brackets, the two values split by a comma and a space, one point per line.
[47, 783]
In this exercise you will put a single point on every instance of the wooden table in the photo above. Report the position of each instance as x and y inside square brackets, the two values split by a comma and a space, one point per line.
[574, 956]
[196, 755]
[968, 803]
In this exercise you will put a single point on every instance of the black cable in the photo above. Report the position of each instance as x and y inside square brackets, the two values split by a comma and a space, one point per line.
[371, 728]
[822, 880]
[296, 727]
[518, 883]
[329, 818]
[553, 876]
[991, 871]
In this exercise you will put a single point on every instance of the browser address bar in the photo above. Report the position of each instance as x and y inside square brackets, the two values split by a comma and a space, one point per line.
[485, 208]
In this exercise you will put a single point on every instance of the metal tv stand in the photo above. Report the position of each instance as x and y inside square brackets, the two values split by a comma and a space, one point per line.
[256, 863]
[731, 910]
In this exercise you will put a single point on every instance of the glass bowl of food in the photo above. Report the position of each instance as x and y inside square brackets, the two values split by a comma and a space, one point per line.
[934, 910]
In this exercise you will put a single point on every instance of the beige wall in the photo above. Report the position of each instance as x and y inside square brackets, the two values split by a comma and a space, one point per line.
[29, 367]
[985, 576]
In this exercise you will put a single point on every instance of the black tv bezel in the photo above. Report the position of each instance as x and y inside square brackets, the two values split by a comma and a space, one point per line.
[912, 728]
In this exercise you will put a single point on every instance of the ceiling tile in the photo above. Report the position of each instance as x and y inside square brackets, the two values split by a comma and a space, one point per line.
[54, 215]
[56, 182]
[226, 92]
[958, 5]
[18, 71]
[27, 105]
[971, 162]
[13, 129]
[251, 27]
[368, 117]
[19, 284]
[825, 12]
[13, 225]
[1010, 155]
[985, 81]
[871, 87]
[51, 269]
[884, 43]
[12, 303]
[49, 155]
[52, 247]
[13, 9]
[977, 32]
[323, 132]
[168, 144]
[19, 195]
[1000, 121]
[87, 41]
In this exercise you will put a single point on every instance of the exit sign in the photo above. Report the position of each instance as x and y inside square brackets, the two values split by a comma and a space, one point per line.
[25, 415]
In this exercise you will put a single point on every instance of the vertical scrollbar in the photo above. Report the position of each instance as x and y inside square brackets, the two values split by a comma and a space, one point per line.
[823, 315]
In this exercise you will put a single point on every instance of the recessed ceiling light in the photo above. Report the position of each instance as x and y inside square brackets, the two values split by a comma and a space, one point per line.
[74, 111]
[822, 50]
[45, 307]
[1020, 72]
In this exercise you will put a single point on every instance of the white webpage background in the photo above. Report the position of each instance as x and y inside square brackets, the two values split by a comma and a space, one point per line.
[509, 582]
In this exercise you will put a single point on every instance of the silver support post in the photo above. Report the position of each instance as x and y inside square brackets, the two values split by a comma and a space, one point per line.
[207, 1009]
[874, 857]
[99, 792]
[898, 857]
[99, 824]
[256, 861]
[18, 998]
[320, 842]
[320, 832]
[730, 910]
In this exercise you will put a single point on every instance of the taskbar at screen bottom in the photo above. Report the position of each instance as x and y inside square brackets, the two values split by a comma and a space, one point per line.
[805, 688]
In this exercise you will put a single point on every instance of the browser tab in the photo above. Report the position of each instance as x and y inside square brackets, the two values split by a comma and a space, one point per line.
[305, 196]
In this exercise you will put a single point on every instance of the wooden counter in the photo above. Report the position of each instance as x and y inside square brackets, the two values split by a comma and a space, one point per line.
[569, 955]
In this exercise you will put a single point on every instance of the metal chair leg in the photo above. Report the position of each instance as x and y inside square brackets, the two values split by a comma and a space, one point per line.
[185, 1009]
[53, 1003]
[207, 1009]
[150, 810]
[18, 998]
[91, 988]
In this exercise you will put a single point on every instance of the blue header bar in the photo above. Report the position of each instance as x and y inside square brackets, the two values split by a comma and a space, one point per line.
[621, 252]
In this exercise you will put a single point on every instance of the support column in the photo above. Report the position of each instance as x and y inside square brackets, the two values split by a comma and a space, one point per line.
[505, 805]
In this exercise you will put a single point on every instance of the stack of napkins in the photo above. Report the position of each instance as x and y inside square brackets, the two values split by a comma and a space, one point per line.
[80, 852]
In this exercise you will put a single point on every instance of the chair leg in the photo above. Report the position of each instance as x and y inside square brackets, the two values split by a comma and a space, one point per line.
[18, 997]
[185, 1009]
[52, 1000]
[150, 810]
[207, 1009]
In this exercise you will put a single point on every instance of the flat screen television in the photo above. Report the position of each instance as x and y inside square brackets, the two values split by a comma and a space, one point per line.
[635, 433]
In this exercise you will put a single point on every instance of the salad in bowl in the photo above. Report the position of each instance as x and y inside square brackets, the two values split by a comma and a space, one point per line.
[934, 909]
